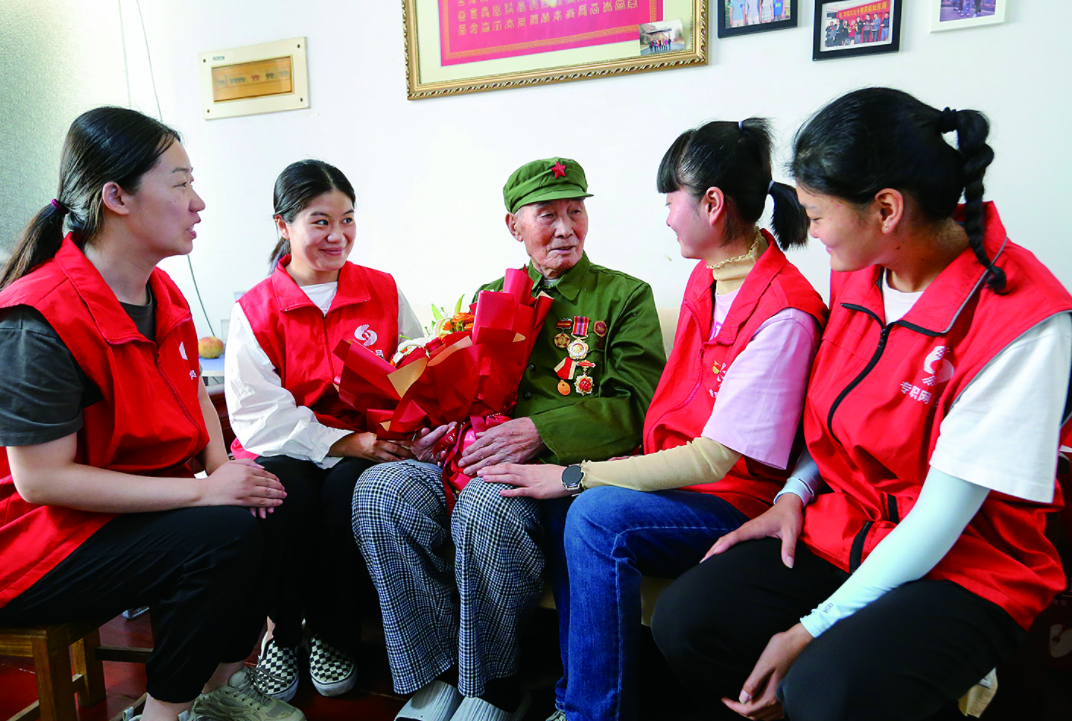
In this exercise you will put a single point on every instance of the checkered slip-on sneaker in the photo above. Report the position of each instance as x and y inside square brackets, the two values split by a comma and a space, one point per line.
[277, 671]
[333, 671]
[240, 700]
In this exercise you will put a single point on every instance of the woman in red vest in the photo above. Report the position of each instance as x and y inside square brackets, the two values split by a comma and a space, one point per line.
[286, 412]
[102, 409]
[720, 431]
[933, 415]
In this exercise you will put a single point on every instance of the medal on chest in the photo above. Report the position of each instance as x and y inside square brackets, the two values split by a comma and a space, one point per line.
[577, 350]
[584, 384]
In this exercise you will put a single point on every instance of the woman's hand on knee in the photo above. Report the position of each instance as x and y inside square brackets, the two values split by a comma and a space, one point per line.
[243, 483]
[757, 699]
[536, 480]
[783, 520]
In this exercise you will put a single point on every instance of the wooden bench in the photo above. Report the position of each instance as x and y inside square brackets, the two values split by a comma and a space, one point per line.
[54, 649]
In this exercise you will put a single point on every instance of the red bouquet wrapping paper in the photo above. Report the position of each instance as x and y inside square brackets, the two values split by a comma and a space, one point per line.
[470, 377]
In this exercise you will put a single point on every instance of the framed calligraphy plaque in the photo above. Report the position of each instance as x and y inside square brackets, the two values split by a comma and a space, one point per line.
[465, 46]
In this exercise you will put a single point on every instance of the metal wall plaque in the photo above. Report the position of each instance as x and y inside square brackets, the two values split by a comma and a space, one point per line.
[254, 79]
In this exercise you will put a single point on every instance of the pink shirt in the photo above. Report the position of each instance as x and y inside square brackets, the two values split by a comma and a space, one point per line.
[762, 396]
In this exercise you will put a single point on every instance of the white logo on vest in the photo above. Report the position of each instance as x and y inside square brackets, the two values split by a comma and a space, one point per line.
[366, 335]
[944, 370]
[940, 370]
[182, 351]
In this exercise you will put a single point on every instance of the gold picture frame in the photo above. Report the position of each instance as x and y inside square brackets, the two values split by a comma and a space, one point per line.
[427, 77]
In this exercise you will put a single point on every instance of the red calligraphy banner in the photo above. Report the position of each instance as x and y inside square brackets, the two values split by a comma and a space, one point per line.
[867, 9]
[473, 30]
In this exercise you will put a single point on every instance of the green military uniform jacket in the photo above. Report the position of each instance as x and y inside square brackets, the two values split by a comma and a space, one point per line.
[629, 359]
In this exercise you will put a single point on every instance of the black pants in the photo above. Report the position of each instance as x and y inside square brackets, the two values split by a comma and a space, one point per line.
[907, 656]
[199, 568]
[315, 568]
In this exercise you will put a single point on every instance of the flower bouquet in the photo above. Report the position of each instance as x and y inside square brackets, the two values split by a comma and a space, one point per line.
[468, 372]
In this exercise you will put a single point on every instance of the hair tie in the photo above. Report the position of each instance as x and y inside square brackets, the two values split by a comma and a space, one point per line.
[59, 206]
[947, 123]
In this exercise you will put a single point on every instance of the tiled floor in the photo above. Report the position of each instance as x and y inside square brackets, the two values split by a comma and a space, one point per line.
[1045, 697]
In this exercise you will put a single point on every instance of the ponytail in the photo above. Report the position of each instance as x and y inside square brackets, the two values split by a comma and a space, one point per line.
[972, 130]
[40, 242]
[281, 249]
[789, 221]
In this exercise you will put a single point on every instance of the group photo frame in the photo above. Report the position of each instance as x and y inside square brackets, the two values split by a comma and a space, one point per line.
[744, 17]
[850, 28]
[959, 14]
[465, 46]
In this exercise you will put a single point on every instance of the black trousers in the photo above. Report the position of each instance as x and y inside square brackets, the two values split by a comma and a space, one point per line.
[315, 569]
[907, 656]
[199, 568]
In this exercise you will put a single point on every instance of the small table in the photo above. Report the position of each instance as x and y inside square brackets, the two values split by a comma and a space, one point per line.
[212, 368]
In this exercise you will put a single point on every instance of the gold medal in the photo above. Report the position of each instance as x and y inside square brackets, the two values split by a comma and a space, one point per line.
[578, 349]
[600, 328]
[561, 340]
[563, 388]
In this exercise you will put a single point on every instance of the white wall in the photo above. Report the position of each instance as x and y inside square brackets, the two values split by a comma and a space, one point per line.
[429, 173]
[47, 79]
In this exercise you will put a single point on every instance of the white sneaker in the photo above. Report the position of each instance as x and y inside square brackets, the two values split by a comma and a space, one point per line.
[240, 700]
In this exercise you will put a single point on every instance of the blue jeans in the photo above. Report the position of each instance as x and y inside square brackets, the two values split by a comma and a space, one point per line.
[612, 537]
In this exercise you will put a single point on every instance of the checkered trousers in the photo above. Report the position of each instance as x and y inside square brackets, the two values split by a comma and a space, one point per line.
[445, 604]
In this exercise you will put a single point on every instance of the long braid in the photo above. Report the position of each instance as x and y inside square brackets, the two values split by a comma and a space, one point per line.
[972, 130]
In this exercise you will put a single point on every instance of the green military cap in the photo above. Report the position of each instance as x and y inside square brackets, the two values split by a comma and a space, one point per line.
[543, 180]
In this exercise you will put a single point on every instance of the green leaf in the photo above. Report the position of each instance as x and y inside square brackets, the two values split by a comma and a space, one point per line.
[458, 308]
[437, 313]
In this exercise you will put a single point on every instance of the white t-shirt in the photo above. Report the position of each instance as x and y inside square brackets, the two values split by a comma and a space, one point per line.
[1002, 432]
[265, 416]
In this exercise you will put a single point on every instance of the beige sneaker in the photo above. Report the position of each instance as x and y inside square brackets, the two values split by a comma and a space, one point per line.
[240, 700]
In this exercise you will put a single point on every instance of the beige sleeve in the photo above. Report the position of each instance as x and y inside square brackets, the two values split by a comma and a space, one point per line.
[700, 461]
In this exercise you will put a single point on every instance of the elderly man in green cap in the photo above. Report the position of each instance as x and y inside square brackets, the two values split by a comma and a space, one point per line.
[451, 612]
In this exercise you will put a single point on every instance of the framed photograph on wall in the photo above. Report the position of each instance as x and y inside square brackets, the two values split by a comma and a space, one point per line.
[468, 46]
[743, 17]
[955, 14]
[848, 28]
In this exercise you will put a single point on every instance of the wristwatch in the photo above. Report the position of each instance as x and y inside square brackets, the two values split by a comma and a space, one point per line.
[573, 479]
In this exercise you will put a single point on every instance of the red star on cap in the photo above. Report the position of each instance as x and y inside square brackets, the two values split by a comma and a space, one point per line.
[559, 169]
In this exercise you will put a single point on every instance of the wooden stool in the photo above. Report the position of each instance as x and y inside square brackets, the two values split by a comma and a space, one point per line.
[56, 687]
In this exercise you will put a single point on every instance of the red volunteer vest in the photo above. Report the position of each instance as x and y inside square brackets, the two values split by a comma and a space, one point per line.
[148, 422]
[690, 383]
[299, 339]
[876, 400]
